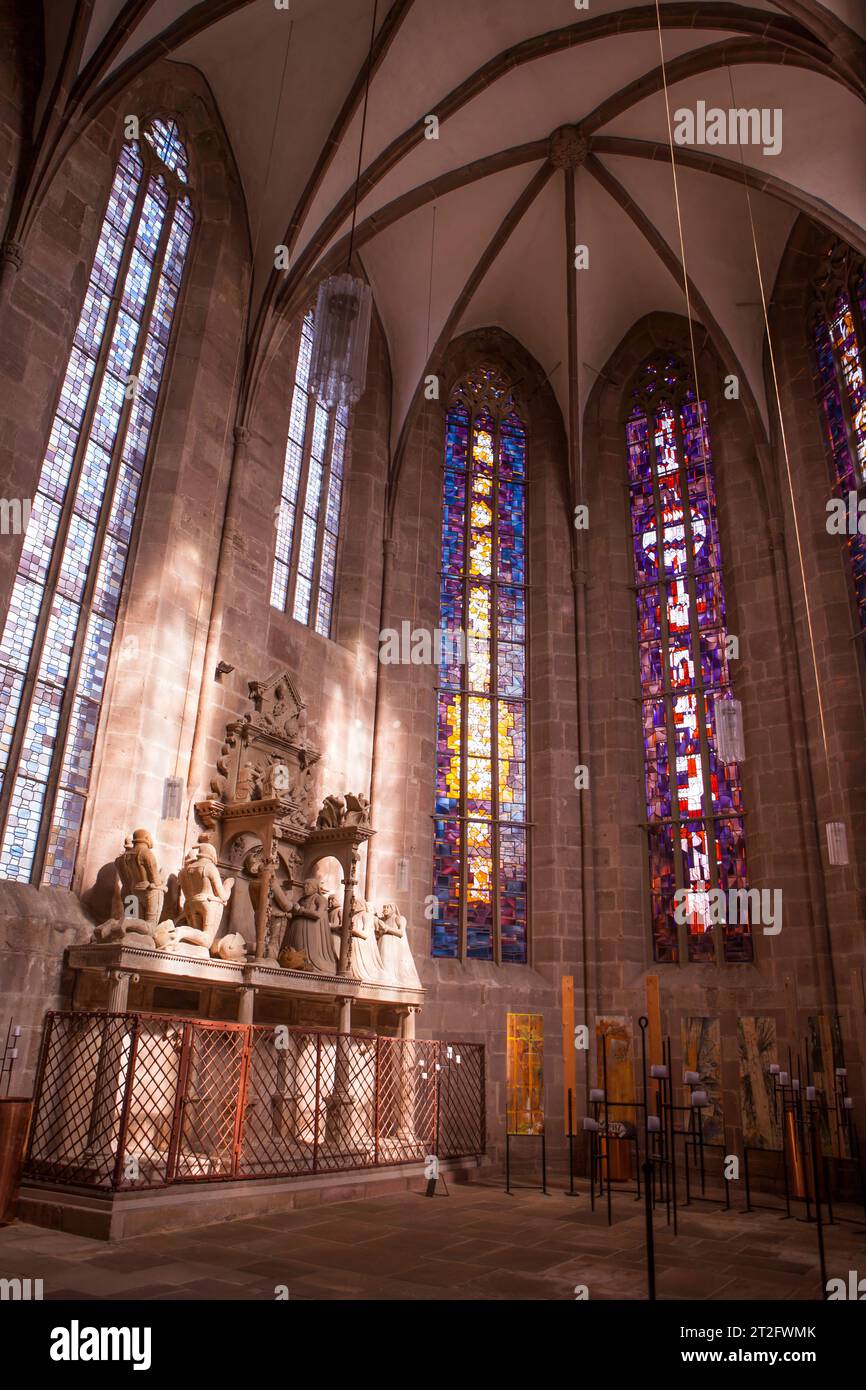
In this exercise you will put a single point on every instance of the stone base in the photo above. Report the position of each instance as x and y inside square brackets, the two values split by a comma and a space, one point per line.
[120, 1215]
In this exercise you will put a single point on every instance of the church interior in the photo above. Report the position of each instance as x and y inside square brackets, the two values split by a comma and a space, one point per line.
[384, 812]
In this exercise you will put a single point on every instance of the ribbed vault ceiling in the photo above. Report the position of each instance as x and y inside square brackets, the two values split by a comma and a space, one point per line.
[288, 85]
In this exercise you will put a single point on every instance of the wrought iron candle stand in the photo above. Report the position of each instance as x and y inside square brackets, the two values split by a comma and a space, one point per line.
[599, 1156]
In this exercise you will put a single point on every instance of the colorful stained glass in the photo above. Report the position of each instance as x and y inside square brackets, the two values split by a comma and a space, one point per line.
[315, 453]
[85, 506]
[691, 797]
[838, 339]
[481, 849]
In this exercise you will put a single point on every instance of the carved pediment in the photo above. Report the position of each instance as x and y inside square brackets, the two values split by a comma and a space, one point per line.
[280, 711]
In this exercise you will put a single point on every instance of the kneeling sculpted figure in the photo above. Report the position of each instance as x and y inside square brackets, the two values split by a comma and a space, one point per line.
[205, 896]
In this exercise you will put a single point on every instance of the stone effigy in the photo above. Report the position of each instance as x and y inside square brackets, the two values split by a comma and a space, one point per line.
[205, 898]
[309, 930]
[366, 963]
[398, 962]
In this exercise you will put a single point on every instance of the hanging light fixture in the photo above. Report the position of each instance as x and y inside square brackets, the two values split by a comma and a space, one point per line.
[729, 730]
[341, 328]
[837, 842]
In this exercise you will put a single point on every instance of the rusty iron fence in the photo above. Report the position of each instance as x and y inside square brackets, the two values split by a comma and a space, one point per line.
[134, 1101]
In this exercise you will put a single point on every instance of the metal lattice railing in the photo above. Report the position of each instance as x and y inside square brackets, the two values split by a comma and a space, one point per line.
[142, 1100]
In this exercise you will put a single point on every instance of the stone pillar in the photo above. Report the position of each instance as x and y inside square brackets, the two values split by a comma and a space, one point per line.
[118, 991]
[407, 1024]
[340, 1105]
[246, 1007]
[407, 1061]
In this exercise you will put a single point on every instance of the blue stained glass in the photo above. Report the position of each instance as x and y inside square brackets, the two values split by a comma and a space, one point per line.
[91, 324]
[138, 431]
[106, 417]
[123, 502]
[58, 460]
[108, 256]
[136, 285]
[77, 514]
[122, 347]
[94, 660]
[41, 732]
[178, 243]
[285, 531]
[39, 539]
[298, 419]
[20, 623]
[22, 829]
[76, 558]
[165, 139]
[75, 768]
[59, 638]
[75, 388]
[11, 686]
[109, 577]
[63, 839]
[91, 484]
[125, 187]
[307, 444]
[151, 220]
[164, 306]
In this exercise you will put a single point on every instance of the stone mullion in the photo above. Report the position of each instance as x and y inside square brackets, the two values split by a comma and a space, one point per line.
[667, 684]
[58, 551]
[86, 602]
[700, 694]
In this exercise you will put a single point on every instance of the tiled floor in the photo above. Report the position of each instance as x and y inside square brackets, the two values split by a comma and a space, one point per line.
[476, 1243]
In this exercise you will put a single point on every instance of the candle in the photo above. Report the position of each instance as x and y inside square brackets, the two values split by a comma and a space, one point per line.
[596, 1094]
[659, 1072]
[690, 1077]
[589, 1123]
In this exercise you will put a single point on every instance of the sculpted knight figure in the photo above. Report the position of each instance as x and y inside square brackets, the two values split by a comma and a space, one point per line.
[125, 877]
[309, 929]
[147, 886]
[205, 896]
[265, 892]
[397, 960]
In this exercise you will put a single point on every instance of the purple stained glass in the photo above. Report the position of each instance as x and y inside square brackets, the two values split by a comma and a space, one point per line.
[481, 855]
[682, 653]
[840, 383]
[83, 478]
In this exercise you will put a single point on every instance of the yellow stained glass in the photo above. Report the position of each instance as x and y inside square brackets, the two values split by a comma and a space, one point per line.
[479, 780]
[507, 751]
[479, 728]
[481, 555]
[480, 863]
[482, 450]
[452, 779]
[481, 485]
[481, 514]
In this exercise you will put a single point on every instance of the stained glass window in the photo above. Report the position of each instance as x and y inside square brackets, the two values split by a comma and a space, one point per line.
[308, 521]
[838, 338]
[59, 629]
[694, 801]
[481, 820]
